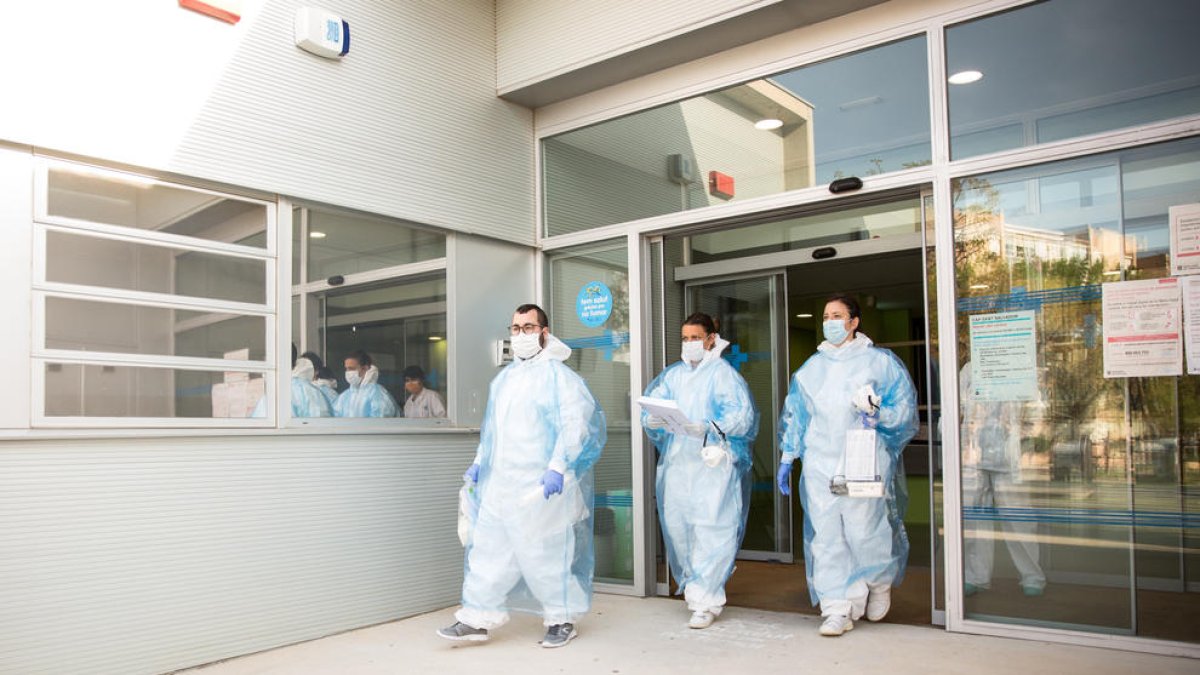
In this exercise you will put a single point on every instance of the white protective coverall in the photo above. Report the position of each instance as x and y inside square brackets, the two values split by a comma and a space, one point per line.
[526, 552]
[850, 544]
[703, 509]
[991, 480]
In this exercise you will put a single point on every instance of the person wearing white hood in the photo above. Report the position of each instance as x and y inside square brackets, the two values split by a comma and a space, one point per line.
[530, 547]
[703, 483]
[365, 397]
[855, 548]
[307, 399]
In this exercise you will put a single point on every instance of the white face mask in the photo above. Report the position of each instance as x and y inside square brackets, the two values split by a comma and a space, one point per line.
[526, 346]
[693, 351]
[353, 378]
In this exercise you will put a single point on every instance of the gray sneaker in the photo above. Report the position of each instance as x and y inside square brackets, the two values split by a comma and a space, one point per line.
[558, 635]
[461, 632]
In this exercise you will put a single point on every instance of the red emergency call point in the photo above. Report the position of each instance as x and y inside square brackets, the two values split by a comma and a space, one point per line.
[720, 185]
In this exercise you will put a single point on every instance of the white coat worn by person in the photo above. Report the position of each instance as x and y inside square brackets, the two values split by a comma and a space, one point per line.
[703, 484]
[855, 548]
[530, 547]
[991, 478]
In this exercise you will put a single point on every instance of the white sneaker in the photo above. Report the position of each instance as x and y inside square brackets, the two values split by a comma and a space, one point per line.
[701, 619]
[836, 624]
[878, 604]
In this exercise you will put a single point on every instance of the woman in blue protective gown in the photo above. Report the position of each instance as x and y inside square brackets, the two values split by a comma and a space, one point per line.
[855, 548]
[703, 481]
[365, 397]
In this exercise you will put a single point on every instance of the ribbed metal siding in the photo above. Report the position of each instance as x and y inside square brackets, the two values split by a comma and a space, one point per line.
[537, 39]
[407, 124]
[144, 556]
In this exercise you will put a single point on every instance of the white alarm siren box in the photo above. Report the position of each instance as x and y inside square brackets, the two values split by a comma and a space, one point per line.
[322, 32]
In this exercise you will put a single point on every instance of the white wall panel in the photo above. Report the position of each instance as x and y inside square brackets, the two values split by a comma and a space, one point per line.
[537, 40]
[149, 555]
[406, 125]
[16, 273]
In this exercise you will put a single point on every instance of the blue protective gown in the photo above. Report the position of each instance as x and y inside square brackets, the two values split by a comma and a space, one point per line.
[367, 399]
[703, 509]
[307, 400]
[851, 545]
[329, 390]
[526, 552]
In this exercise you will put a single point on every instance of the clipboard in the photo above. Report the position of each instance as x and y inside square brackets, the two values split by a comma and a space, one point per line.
[668, 410]
[861, 468]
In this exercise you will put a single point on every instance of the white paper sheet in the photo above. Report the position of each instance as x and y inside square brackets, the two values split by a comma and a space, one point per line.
[1004, 351]
[1191, 322]
[1143, 328]
[860, 455]
[1184, 222]
[666, 409]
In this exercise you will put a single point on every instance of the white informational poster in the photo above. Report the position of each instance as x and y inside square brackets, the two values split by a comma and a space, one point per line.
[1143, 328]
[1004, 356]
[1191, 322]
[1185, 238]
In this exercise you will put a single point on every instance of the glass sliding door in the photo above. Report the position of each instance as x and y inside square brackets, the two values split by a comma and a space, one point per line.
[748, 313]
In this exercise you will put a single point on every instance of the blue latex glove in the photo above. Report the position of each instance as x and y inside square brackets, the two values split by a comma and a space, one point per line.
[869, 421]
[782, 479]
[552, 482]
[472, 474]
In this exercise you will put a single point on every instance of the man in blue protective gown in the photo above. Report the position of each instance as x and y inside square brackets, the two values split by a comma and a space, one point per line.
[703, 482]
[530, 548]
[855, 548]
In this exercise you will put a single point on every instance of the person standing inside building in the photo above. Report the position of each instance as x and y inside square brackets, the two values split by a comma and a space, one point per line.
[420, 401]
[703, 482]
[365, 397]
[855, 548]
[530, 547]
[307, 399]
[991, 478]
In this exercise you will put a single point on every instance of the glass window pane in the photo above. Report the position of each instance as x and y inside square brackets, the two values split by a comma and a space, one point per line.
[1083, 67]
[855, 224]
[1087, 500]
[135, 329]
[398, 325]
[74, 390]
[129, 201]
[91, 261]
[858, 115]
[340, 243]
[600, 354]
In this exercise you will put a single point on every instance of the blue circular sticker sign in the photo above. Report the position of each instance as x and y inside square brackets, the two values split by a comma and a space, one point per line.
[594, 304]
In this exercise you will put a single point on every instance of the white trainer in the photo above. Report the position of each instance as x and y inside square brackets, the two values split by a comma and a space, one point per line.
[836, 624]
[878, 604]
[701, 619]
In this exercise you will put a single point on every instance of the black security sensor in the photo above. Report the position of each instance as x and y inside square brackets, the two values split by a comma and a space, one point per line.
[845, 184]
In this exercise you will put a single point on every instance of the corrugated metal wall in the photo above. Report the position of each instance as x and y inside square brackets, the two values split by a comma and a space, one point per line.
[406, 125]
[537, 40]
[148, 555]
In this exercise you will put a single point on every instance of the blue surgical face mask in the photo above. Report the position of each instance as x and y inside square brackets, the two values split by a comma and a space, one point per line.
[835, 331]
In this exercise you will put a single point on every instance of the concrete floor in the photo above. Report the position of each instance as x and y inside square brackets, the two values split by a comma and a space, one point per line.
[649, 635]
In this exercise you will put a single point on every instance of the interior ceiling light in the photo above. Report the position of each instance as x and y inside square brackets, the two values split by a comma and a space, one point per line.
[435, 338]
[860, 102]
[804, 316]
[768, 124]
[316, 234]
[965, 77]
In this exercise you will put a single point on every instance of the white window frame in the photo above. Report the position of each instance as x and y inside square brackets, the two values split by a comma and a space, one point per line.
[397, 274]
[42, 288]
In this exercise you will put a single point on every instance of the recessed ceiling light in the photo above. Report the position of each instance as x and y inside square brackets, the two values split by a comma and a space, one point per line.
[768, 124]
[316, 234]
[804, 316]
[435, 338]
[965, 77]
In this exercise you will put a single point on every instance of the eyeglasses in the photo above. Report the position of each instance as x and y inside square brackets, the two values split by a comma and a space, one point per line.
[528, 329]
